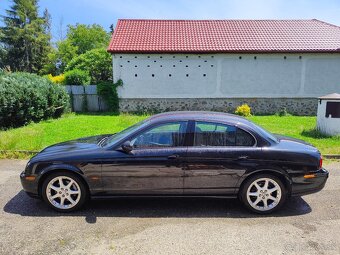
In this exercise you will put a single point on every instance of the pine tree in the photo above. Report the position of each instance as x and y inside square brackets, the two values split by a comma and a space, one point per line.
[26, 36]
[2, 54]
[112, 29]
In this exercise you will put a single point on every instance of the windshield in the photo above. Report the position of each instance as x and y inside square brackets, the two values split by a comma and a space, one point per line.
[116, 137]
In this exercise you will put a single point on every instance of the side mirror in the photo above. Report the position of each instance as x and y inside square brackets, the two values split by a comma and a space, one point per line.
[127, 147]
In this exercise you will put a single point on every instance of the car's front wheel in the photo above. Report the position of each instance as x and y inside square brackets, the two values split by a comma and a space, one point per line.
[263, 193]
[64, 191]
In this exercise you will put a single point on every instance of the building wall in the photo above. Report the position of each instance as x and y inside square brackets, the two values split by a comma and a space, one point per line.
[216, 77]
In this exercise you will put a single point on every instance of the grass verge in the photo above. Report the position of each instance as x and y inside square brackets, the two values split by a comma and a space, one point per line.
[36, 136]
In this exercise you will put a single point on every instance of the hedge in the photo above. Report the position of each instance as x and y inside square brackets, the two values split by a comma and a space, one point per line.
[28, 97]
[77, 77]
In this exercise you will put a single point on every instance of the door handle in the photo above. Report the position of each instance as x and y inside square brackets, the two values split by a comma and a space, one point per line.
[242, 157]
[175, 156]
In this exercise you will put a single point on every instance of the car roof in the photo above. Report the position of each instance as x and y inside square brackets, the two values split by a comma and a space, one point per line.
[198, 115]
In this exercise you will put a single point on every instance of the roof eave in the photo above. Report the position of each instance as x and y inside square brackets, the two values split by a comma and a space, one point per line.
[220, 51]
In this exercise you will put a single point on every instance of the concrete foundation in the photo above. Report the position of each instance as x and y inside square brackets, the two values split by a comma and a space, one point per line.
[296, 106]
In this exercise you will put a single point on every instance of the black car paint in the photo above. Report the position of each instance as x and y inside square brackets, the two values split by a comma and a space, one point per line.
[149, 171]
[187, 170]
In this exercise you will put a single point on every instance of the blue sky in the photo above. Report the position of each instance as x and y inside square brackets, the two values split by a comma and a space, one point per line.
[106, 12]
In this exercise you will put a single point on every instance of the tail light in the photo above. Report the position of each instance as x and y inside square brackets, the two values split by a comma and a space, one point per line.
[313, 175]
[320, 162]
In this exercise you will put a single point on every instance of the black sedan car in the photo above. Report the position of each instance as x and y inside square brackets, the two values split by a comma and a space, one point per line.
[178, 154]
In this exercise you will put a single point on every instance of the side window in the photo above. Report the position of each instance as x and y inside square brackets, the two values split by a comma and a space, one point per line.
[216, 134]
[163, 135]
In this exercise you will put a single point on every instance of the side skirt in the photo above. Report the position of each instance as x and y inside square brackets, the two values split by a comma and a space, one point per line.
[160, 196]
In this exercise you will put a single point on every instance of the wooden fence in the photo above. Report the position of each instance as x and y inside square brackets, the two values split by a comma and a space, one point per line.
[85, 98]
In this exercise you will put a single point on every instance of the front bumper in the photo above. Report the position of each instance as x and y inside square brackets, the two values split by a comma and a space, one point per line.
[302, 186]
[29, 186]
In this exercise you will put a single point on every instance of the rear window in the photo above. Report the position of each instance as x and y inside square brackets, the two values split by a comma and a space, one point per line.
[217, 134]
[264, 133]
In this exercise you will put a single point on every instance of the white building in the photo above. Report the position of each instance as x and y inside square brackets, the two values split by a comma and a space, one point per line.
[220, 64]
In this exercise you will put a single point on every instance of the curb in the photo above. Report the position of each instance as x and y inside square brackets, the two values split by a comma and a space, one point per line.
[19, 151]
[331, 156]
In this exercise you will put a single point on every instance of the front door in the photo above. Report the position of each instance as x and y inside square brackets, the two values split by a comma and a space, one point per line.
[153, 167]
[220, 155]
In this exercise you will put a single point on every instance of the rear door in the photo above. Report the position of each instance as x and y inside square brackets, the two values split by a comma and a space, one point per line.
[220, 155]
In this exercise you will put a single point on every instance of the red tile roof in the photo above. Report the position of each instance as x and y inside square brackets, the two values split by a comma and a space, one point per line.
[209, 36]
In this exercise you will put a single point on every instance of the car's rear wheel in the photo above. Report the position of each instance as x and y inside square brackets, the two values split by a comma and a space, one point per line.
[64, 191]
[263, 193]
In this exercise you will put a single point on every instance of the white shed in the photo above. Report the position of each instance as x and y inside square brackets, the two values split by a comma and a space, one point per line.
[329, 114]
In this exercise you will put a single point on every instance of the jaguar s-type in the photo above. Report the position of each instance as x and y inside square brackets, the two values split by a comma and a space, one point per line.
[189, 154]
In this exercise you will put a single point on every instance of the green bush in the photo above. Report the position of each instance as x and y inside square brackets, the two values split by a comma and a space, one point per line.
[97, 62]
[108, 90]
[243, 110]
[28, 97]
[77, 77]
[283, 112]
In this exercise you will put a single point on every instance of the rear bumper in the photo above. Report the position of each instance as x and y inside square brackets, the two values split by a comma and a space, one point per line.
[302, 186]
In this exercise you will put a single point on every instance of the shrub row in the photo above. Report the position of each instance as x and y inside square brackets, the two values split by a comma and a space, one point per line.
[28, 97]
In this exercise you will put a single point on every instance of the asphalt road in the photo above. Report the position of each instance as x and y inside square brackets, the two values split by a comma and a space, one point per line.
[307, 225]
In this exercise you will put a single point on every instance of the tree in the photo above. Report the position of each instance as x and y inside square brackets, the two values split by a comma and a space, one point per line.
[26, 36]
[96, 62]
[112, 29]
[3, 53]
[87, 37]
[58, 58]
[2, 56]
[79, 40]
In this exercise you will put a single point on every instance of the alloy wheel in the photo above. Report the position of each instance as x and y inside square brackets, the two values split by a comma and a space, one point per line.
[63, 192]
[264, 194]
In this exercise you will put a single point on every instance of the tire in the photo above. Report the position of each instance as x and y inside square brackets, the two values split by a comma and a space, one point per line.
[69, 196]
[263, 193]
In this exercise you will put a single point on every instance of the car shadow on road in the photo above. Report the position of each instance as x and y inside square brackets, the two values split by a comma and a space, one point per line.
[153, 208]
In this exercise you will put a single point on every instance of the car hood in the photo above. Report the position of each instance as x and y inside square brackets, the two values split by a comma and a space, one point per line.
[81, 144]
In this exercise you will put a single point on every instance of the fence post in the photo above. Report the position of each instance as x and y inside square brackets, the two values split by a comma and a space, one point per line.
[71, 99]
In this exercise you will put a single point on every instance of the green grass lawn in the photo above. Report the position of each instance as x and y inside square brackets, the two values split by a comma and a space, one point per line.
[36, 136]
[299, 127]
